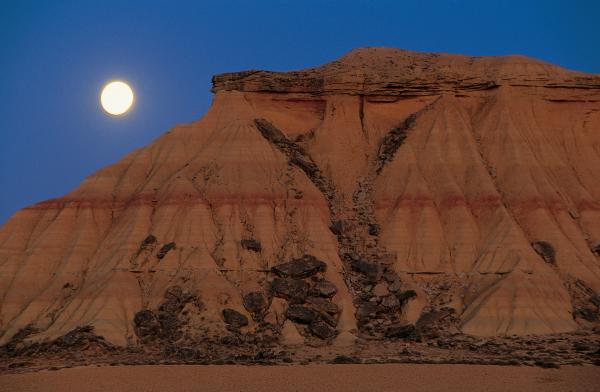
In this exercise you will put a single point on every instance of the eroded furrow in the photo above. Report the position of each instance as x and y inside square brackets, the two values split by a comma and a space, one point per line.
[378, 293]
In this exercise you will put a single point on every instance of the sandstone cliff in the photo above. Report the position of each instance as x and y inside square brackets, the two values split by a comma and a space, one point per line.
[385, 194]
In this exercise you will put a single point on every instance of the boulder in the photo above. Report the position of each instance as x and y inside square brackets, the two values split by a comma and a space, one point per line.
[234, 318]
[400, 331]
[146, 324]
[175, 298]
[337, 227]
[301, 314]
[380, 290]
[395, 286]
[255, 302]
[323, 305]
[323, 288]
[169, 324]
[321, 329]
[300, 268]
[294, 290]
[367, 310]
[343, 359]
[371, 270]
[390, 301]
[389, 276]
[329, 319]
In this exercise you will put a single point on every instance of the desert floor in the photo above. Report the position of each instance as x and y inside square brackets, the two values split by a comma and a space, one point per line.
[330, 378]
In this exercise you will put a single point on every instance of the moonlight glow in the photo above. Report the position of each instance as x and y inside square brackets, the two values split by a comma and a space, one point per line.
[116, 98]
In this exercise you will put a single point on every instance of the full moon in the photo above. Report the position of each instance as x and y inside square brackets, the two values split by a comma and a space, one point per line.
[116, 98]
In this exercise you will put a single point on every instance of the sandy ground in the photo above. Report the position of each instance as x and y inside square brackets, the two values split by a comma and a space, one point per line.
[330, 378]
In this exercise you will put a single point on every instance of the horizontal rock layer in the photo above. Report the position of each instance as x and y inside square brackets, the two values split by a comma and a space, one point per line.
[394, 72]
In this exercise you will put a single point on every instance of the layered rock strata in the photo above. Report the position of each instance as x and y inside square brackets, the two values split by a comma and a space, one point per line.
[386, 195]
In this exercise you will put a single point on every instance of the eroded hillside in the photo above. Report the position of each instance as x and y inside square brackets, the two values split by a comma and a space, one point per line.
[386, 195]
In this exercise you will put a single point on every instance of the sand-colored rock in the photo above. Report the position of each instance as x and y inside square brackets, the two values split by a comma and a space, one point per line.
[290, 335]
[500, 152]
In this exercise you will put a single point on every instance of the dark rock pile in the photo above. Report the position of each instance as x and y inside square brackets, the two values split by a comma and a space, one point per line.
[165, 323]
[78, 339]
[308, 294]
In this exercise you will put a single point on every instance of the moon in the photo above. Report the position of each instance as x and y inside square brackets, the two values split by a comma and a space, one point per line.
[116, 98]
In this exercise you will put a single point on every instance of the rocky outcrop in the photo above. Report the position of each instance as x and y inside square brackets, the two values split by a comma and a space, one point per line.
[386, 195]
[393, 72]
[300, 268]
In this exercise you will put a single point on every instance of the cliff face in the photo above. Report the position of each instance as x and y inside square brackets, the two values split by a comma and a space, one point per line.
[408, 192]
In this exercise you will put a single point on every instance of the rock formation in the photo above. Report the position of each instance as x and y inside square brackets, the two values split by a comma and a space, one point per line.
[383, 195]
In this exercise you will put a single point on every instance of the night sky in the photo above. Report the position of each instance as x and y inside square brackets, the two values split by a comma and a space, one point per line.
[56, 55]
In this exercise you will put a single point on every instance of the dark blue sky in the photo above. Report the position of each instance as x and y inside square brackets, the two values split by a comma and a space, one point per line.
[55, 56]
